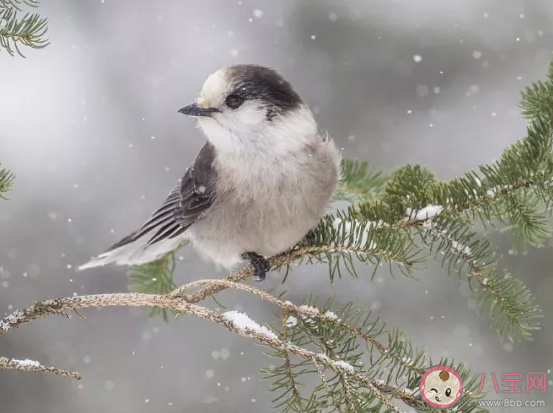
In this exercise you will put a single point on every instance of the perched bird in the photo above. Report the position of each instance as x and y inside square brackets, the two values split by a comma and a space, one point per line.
[258, 186]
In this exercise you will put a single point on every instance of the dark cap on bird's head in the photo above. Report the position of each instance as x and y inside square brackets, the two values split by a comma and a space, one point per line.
[264, 84]
[228, 89]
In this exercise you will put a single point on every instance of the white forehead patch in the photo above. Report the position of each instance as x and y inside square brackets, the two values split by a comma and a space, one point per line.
[215, 89]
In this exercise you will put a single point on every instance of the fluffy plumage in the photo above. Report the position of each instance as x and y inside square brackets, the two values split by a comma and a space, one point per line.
[261, 182]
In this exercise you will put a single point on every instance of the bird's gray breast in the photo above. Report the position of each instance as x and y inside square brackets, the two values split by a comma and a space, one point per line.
[266, 212]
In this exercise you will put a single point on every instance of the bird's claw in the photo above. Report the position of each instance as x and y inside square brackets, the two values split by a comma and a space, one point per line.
[309, 239]
[261, 265]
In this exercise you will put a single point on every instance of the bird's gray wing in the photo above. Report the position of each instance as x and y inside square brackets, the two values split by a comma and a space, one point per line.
[191, 197]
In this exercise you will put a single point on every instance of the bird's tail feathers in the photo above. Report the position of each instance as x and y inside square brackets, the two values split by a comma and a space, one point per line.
[136, 252]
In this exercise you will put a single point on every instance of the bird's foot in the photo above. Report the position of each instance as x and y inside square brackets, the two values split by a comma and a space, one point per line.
[309, 239]
[261, 265]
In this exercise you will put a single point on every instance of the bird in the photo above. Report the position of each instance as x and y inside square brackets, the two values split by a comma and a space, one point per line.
[259, 185]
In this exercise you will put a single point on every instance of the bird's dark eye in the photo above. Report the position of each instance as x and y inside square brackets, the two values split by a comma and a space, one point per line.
[234, 101]
[448, 392]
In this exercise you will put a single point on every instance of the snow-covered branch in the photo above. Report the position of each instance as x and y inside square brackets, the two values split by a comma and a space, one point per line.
[32, 365]
[234, 321]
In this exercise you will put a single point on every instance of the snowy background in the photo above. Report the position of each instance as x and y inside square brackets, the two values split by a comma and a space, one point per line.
[90, 127]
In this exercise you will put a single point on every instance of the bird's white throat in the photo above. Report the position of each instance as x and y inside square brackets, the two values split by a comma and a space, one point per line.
[286, 133]
[259, 158]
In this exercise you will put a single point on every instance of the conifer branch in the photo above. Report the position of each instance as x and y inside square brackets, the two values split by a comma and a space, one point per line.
[359, 183]
[155, 277]
[365, 232]
[294, 401]
[6, 181]
[392, 355]
[16, 31]
[357, 389]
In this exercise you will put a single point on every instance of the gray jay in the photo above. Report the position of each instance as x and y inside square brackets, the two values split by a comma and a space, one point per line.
[261, 182]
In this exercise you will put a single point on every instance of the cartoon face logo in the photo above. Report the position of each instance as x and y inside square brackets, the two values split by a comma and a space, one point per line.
[441, 387]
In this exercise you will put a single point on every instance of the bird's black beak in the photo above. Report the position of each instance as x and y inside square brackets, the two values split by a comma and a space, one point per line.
[195, 110]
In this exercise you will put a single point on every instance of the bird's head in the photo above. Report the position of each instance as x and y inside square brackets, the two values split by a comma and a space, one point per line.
[248, 107]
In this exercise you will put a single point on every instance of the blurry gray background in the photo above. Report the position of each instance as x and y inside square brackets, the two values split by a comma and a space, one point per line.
[90, 127]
